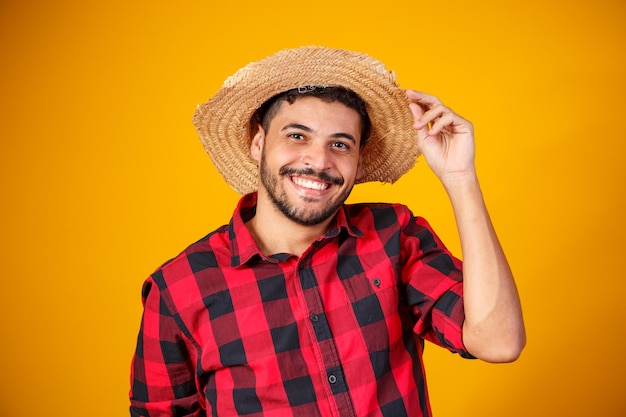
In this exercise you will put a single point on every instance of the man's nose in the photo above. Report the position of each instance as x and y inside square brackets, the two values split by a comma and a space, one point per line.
[317, 156]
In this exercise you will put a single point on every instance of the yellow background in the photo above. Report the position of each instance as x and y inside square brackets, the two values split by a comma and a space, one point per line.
[103, 178]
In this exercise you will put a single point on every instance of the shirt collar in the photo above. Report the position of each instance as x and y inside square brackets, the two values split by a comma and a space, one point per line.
[242, 244]
[243, 248]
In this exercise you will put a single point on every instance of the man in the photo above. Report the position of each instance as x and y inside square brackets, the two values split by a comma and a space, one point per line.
[303, 305]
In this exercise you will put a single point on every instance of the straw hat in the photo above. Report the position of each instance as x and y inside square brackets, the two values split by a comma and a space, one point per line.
[223, 121]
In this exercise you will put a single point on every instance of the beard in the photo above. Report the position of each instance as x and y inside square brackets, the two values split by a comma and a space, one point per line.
[300, 215]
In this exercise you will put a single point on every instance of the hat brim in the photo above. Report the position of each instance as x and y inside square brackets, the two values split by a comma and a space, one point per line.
[223, 121]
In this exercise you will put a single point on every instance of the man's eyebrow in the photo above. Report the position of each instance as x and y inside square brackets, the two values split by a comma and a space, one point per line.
[308, 129]
[297, 126]
[345, 136]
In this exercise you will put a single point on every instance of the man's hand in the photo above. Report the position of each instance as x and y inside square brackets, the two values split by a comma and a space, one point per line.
[445, 139]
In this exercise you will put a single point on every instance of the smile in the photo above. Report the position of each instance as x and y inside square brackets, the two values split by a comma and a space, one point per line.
[310, 184]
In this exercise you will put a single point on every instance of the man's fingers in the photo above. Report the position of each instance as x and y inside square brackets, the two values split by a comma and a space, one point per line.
[418, 113]
[444, 120]
[436, 119]
[424, 99]
[432, 116]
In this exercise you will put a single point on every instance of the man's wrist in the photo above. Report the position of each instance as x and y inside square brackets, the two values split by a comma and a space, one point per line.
[460, 182]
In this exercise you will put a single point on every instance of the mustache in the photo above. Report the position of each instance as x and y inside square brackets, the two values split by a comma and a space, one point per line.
[310, 172]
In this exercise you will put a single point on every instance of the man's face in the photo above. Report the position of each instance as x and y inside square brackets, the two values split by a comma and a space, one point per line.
[309, 158]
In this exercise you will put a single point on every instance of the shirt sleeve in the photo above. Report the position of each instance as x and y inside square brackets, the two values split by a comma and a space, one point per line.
[433, 281]
[162, 374]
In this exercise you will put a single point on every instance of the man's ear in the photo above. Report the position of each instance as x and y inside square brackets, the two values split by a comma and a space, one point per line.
[256, 145]
[359, 167]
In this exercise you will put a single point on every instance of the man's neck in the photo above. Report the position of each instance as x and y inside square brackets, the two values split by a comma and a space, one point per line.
[275, 233]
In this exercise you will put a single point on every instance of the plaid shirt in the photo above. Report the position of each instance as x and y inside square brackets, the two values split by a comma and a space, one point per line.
[228, 331]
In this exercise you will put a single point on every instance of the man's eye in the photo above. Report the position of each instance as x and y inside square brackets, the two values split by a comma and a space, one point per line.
[296, 136]
[340, 145]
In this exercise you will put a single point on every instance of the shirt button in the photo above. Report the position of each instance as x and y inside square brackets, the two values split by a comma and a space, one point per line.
[314, 317]
[332, 379]
[376, 282]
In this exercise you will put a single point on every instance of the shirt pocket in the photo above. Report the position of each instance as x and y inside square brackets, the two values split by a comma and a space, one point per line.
[374, 297]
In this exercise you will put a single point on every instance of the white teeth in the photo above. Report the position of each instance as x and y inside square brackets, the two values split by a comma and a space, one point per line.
[314, 185]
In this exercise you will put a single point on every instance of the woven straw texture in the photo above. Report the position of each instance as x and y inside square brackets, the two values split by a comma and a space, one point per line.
[223, 122]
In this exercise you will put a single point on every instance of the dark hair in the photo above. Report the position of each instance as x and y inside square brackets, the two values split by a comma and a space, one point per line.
[349, 98]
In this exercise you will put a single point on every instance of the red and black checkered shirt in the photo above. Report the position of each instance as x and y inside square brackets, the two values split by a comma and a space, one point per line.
[339, 331]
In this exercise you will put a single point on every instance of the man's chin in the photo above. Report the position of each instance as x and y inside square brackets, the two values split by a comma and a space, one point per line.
[308, 216]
